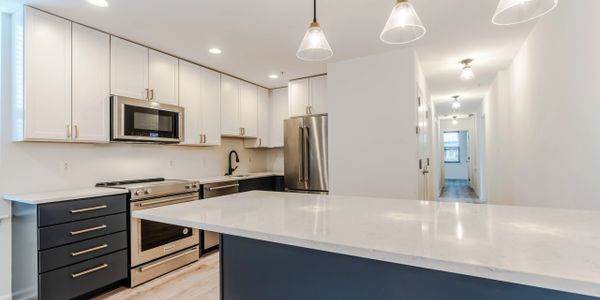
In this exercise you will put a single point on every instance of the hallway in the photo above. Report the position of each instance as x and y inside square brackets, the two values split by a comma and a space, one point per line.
[458, 190]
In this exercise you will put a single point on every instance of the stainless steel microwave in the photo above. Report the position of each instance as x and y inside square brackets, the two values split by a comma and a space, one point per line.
[135, 120]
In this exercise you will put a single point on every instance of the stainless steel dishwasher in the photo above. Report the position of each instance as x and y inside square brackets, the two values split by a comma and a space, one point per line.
[209, 240]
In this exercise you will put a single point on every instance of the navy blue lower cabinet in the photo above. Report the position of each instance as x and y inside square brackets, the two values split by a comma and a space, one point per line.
[257, 184]
[70, 249]
[259, 270]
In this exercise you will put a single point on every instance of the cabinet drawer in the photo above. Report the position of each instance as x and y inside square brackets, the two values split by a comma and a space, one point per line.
[62, 234]
[82, 278]
[70, 254]
[62, 212]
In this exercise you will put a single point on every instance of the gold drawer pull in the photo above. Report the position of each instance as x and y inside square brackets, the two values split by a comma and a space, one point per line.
[88, 250]
[88, 230]
[92, 270]
[76, 211]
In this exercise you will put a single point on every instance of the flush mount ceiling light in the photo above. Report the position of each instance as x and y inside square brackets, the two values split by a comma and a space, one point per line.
[215, 51]
[455, 104]
[511, 12]
[273, 76]
[467, 71]
[100, 3]
[403, 26]
[454, 120]
[314, 46]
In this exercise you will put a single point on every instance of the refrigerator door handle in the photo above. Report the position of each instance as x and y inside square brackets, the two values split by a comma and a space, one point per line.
[305, 156]
[301, 164]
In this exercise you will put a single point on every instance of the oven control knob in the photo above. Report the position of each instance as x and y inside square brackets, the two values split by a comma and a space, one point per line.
[185, 231]
[147, 191]
[195, 185]
[137, 193]
[188, 186]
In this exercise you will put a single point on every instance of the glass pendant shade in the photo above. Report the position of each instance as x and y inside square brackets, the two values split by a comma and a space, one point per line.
[403, 26]
[511, 12]
[454, 121]
[455, 105]
[467, 73]
[314, 46]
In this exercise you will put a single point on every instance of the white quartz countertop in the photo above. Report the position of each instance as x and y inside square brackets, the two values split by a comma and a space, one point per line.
[57, 196]
[65, 195]
[549, 248]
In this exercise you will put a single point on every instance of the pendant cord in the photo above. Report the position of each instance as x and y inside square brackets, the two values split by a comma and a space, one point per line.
[315, 11]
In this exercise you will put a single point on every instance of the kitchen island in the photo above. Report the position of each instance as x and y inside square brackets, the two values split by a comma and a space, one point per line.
[300, 246]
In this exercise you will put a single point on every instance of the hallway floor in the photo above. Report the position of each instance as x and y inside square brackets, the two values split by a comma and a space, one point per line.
[458, 190]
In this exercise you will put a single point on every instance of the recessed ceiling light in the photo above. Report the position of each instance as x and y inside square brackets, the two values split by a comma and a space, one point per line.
[215, 51]
[273, 76]
[100, 3]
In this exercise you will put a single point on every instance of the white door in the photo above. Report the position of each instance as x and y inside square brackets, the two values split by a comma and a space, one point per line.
[263, 117]
[318, 94]
[279, 112]
[298, 97]
[91, 85]
[190, 97]
[211, 106]
[128, 69]
[249, 109]
[230, 106]
[47, 88]
[163, 77]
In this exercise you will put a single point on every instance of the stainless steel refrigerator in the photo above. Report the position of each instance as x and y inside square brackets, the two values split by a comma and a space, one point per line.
[305, 154]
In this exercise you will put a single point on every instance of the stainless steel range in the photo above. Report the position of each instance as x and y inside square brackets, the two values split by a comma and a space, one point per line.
[158, 248]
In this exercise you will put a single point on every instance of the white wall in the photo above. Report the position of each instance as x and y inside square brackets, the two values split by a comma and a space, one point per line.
[541, 116]
[372, 118]
[5, 250]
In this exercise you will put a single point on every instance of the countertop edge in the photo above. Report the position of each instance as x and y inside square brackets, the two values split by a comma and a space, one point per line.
[518, 277]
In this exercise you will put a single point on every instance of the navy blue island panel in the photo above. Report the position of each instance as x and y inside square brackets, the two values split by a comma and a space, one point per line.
[259, 270]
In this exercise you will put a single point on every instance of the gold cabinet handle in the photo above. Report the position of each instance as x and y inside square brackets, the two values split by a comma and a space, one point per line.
[88, 271]
[103, 226]
[309, 110]
[76, 211]
[74, 254]
[151, 94]
[69, 131]
[259, 142]
[76, 131]
[147, 94]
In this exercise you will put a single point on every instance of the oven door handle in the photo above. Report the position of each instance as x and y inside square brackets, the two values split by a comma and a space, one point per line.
[222, 187]
[168, 200]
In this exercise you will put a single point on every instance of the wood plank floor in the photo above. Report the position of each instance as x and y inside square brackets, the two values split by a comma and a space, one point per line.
[456, 190]
[198, 281]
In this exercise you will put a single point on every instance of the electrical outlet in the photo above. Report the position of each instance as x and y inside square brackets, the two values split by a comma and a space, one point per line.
[65, 166]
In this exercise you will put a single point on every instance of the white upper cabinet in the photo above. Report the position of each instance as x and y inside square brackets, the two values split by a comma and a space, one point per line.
[230, 106]
[163, 77]
[91, 85]
[299, 95]
[249, 110]
[199, 94]
[47, 82]
[263, 117]
[318, 94]
[308, 96]
[128, 69]
[279, 112]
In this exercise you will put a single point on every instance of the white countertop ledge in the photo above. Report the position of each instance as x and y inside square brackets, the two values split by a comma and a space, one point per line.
[58, 196]
[548, 248]
[245, 176]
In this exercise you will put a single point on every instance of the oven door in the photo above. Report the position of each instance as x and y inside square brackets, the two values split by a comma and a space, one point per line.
[151, 240]
[145, 121]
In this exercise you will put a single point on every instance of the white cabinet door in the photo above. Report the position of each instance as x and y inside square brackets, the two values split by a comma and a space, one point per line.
[249, 109]
[47, 83]
[190, 98]
[279, 112]
[128, 69]
[263, 117]
[298, 97]
[318, 94]
[211, 107]
[230, 106]
[163, 77]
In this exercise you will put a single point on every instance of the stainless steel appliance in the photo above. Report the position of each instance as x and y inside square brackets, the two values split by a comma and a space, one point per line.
[305, 154]
[158, 248]
[137, 120]
[209, 240]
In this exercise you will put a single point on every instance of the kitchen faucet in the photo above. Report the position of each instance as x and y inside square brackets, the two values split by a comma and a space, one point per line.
[237, 160]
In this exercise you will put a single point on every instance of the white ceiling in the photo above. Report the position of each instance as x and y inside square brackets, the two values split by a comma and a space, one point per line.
[260, 37]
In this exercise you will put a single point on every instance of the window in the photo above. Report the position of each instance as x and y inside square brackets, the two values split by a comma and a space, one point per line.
[452, 147]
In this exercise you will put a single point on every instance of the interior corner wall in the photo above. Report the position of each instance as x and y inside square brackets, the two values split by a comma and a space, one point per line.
[5, 235]
[541, 139]
[372, 118]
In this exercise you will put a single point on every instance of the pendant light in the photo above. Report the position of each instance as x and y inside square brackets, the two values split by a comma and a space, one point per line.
[455, 103]
[403, 26]
[467, 71]
[314, 46]
[511, 12]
